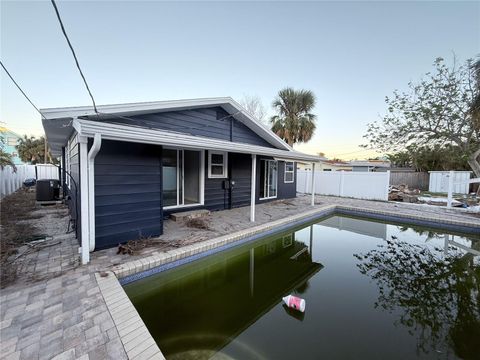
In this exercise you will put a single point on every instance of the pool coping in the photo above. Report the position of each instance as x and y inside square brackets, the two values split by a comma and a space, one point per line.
[134, 335]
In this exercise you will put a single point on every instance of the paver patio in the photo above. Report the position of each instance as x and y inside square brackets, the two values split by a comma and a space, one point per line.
[56, 309]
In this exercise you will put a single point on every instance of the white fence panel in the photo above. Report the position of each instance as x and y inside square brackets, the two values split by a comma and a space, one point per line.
[439, 181]
[47, 171]
[360, 185]
[11, 181]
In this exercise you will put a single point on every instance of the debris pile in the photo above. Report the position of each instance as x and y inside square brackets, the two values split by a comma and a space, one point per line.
[403, 193]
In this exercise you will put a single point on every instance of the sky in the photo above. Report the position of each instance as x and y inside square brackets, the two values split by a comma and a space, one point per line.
[350, 54]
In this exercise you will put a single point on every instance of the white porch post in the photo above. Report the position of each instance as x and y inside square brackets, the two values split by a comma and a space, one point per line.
[84, 223]
[252, 193]
[313, 184]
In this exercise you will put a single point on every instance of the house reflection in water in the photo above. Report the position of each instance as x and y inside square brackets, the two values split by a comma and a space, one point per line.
[206, 304]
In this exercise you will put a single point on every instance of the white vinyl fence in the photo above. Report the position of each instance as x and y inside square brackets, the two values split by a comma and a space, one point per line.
[359, 185]
[10, 180]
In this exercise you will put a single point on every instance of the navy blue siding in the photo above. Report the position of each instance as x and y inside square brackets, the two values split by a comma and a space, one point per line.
[286, 190]
[211, 122]
[128, 185]
[240, 171]
[74, 202]
[216, 198]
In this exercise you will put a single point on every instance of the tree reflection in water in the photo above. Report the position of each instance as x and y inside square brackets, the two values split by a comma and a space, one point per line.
[436, 294]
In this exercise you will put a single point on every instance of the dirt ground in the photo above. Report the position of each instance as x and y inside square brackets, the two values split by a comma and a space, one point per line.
[25, 228]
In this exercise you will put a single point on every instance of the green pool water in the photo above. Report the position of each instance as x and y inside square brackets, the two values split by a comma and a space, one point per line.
[372, 290]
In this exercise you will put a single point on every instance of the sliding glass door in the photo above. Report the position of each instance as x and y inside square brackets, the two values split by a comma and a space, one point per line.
[182, 175]
[268, 179]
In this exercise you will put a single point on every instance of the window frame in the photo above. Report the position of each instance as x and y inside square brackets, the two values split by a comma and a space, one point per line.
[289, 172]
[11, 141]
[224, 164]
[267, 170]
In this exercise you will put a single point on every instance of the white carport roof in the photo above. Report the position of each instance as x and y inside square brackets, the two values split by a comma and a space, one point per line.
[109, 131]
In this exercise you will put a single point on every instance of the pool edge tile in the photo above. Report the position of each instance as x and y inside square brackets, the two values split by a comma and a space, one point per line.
[111, 289]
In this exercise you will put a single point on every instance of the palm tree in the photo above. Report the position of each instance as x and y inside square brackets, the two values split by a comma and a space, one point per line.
[6, 160]
[31, 149]
[294, 121]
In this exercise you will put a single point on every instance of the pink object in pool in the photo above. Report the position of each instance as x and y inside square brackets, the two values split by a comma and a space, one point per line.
[294, 302]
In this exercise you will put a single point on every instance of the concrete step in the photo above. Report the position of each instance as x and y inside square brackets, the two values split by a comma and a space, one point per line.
[187, 215]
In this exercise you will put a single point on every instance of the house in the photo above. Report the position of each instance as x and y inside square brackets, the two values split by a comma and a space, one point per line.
[369, 165]
[335, 165]
[325, 164]
[9, 141]
[127, 167]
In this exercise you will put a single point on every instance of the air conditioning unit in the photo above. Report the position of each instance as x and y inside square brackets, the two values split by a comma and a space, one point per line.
[48, 190]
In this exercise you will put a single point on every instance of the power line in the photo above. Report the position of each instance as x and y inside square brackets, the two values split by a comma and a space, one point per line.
[23, 92]
[74, 55]
[354, 152]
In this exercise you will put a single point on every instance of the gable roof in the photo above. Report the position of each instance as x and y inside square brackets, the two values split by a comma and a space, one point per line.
[58, 121]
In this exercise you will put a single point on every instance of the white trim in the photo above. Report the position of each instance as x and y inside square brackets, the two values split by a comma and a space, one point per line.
[253, 190]
[312, 202]
[181, 206]
[224, 165]
[134, 134]
[285, 172]
[202, 177]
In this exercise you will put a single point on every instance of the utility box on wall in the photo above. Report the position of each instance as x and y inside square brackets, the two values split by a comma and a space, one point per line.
[439, 181]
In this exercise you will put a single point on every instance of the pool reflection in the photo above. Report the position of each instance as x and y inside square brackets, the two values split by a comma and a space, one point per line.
[222, 297]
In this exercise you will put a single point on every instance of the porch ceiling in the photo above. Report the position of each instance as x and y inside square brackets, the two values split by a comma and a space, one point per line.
[117, 132]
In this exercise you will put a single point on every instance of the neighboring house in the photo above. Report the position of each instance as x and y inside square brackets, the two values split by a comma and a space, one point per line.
[9, 143]
[131, 165]
[327, 165]
[335, 165]
[369, 165]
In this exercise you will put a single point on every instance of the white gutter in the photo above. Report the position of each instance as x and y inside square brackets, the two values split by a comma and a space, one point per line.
[160, 137]
[97, 143]
[83, 152]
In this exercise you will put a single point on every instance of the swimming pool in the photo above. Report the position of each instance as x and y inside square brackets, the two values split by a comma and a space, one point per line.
[373, 290]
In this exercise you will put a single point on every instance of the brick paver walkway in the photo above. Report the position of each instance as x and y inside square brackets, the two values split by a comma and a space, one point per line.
[56, 311]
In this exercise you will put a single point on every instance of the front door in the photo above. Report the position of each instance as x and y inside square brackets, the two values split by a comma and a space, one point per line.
[240, 176]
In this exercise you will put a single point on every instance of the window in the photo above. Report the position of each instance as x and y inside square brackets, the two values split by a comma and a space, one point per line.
[217, 164]
[289, 172]
[11, 141]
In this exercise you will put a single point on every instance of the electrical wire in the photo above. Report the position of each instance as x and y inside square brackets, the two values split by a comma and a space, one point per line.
[23, 92]
[74, 55]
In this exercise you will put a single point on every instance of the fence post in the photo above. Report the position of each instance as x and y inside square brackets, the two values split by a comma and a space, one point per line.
[450, 189]
[388, 185]
[306, 182]
[342, 181]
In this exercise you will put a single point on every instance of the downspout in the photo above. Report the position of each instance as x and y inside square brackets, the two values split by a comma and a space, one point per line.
[97, 143]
